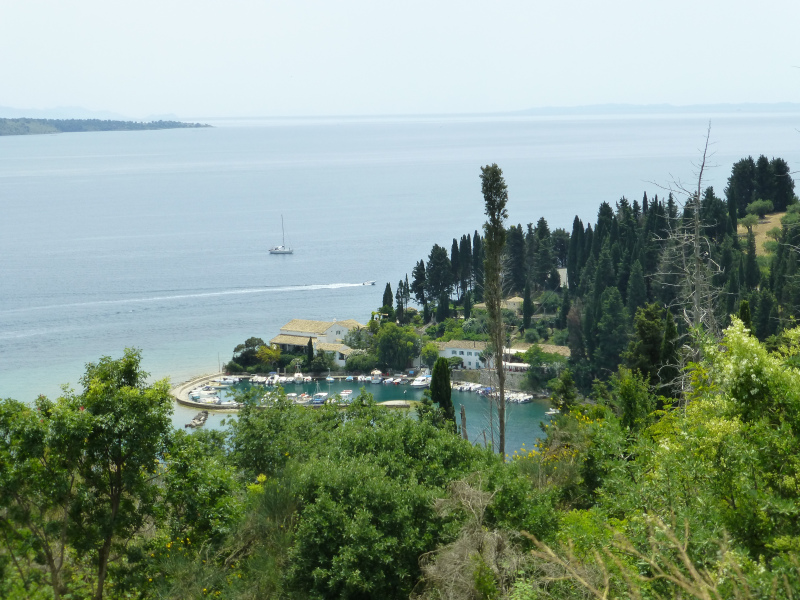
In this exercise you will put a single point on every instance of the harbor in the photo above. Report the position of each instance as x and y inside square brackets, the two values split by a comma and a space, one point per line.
[523, 426]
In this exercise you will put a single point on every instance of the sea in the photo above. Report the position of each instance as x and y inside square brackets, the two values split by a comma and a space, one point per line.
[158, 239]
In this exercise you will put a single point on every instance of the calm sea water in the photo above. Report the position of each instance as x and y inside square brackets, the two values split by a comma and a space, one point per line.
[159, 239]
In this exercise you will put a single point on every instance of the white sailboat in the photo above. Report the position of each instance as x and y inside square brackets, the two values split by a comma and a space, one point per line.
[282, 249]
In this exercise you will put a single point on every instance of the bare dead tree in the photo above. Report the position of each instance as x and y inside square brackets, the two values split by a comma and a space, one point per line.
[687, 267]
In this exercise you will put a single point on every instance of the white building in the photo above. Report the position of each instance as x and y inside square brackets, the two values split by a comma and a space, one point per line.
[469, 352]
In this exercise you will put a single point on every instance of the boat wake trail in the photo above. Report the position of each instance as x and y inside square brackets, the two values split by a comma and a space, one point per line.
[190, 295]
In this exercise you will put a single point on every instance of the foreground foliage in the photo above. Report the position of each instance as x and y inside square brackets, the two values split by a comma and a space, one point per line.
[631, 495]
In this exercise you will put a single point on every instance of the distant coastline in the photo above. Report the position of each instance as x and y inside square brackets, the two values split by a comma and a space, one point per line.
[26, 126]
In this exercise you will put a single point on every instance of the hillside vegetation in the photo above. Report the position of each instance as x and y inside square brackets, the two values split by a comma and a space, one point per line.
[39, 126]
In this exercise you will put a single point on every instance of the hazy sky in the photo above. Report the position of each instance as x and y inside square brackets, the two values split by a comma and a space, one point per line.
[347, 57]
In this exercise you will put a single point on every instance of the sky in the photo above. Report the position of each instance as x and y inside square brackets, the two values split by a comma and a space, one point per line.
[246, 58]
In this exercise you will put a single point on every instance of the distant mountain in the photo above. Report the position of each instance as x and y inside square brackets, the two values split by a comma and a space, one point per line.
[645, 109]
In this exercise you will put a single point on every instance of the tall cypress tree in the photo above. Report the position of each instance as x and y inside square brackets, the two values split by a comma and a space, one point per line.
[495, 195]
[388, 297]
[744, 315]
[668, 374]
[441, 389]
[527, 307]
[612, 332]
[465, 258]
[644, 351]
[455, 265]
[310, 351]
[515, 251]
[477, 265]
[637, 289]
[561, 320]
[574, 262]
[544, 262]
[752, 274]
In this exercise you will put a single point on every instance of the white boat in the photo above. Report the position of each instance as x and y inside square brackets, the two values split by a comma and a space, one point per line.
[329, 379]
[376, 379]
[283, 248]
[227, 403]
[319, 398]
[368, 283]
[421, 381]
[298, 377]
[553, 411]
[346, 393]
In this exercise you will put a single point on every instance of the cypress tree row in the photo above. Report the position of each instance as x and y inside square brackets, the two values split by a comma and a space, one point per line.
[642, 251]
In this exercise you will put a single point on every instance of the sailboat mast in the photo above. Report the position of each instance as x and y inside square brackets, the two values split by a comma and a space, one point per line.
[283, 233]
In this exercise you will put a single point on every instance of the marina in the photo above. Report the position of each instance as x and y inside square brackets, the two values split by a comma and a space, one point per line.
[524, 419]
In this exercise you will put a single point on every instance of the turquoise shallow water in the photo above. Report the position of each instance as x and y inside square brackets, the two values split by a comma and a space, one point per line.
[523, 423]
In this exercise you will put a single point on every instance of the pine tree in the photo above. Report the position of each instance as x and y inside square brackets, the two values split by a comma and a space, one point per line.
[418, 282]
[764, 180]
[783, 184]
[741, 187]
[439, 273]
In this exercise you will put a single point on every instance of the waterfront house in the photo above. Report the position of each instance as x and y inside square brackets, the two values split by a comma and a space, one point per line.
[469, 352]
[324, 335]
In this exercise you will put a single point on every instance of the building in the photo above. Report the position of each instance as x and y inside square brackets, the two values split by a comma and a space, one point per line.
[324, 335]
[469, 352]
